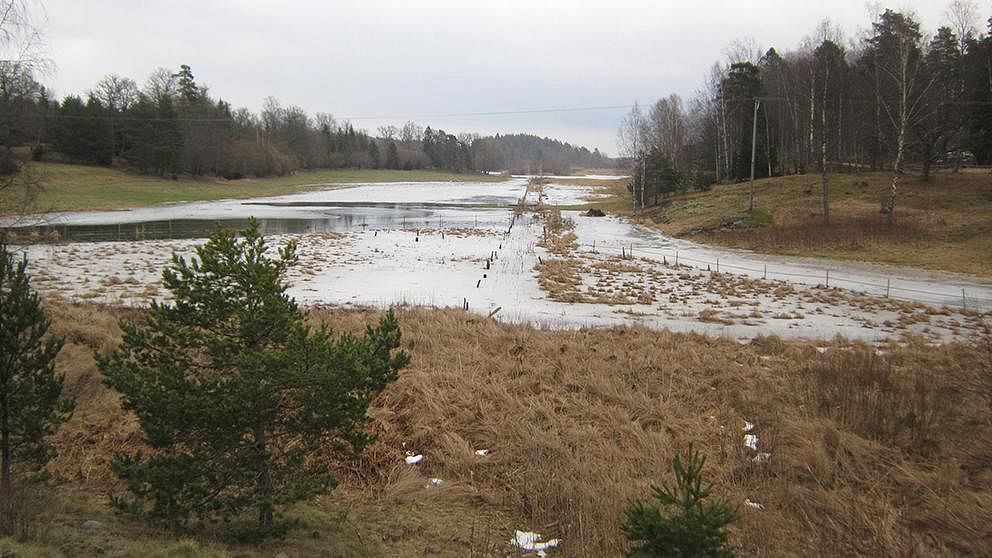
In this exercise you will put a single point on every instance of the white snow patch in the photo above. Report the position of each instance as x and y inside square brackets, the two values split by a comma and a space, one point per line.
[751, 441]
[753, 505]
[414, 459]
[532, 541]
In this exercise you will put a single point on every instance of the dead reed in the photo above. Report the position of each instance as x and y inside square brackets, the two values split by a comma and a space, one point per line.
[867, 453]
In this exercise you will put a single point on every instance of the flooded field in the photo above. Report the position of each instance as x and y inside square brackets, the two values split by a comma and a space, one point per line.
[474, 245]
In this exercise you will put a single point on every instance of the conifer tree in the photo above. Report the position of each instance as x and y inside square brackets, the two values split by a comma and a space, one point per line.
[31, 403]
[693, 529]
[243, 404]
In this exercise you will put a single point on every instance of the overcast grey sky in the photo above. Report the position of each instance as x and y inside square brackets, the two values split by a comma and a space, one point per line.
[408, 59]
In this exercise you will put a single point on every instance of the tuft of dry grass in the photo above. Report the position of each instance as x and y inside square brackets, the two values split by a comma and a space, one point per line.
[874, 453]
[561, 279]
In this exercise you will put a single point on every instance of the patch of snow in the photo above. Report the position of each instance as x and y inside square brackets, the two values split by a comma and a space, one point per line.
[532, 541]
[753, 505]
[414, 459]
[751, 441]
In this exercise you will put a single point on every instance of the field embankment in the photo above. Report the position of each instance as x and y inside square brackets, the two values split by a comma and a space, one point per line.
[63, 187]
[944, 224]
[860, 451]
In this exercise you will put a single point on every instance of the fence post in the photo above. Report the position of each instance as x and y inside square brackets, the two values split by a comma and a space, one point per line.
[676, 258]
[888, 285]
[764, 274]
[828, 277]
[964, 301]
[718, 265]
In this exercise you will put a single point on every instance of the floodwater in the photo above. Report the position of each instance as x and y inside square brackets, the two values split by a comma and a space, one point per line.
[458, 244]
[342, 208]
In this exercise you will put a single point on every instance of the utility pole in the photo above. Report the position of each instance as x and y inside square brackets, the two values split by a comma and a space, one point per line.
[754, 145]
[643, 158]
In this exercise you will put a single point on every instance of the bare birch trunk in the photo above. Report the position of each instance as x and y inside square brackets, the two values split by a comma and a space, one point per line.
[726, 147]
[823, 149]
[904, 85]
[754, 145]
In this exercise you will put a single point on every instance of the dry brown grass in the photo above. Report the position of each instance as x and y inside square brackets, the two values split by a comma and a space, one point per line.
[941, 224]
[561, 279]
[876, 455]
[848, 233]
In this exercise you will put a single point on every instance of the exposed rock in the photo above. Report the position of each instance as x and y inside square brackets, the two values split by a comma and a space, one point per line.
[595, 212]
[92, 525]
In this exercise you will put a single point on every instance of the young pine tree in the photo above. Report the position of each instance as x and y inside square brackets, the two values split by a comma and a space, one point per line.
[242, 402]
[31, 403]
[694, 528]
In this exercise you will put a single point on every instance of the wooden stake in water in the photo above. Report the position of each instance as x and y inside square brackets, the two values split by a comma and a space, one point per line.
[828, 277]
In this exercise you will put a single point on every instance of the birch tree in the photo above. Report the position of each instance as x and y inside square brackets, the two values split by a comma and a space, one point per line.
[632, 141]
[897, 57]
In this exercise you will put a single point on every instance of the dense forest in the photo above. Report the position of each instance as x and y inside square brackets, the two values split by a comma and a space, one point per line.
[173, 125]
[892, 98]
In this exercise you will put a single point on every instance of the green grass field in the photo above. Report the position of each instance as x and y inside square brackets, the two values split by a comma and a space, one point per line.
[78, 188]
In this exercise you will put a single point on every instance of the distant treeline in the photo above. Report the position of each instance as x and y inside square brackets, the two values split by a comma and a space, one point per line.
[172, 125]
[891, 98]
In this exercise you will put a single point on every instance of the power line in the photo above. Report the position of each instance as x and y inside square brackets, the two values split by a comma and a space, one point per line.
[492, 113]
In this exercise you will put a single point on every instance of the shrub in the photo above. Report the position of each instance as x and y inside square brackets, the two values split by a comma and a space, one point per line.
[692, 528]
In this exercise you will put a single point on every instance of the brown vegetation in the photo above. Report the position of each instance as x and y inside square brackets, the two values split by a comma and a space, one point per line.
[875, 453]
[943, 223]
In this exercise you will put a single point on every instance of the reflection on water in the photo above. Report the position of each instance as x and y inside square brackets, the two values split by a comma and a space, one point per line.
[333, 219]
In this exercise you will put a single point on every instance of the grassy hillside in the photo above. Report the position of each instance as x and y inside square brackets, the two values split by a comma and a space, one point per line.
[944, 224]
[77, 187]
[874, 453]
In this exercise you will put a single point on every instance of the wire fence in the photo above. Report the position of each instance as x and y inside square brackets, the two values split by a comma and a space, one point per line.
[978, 299]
